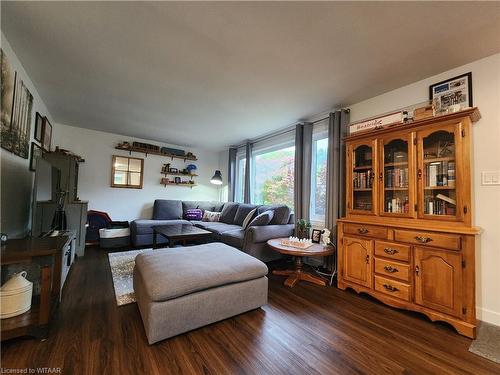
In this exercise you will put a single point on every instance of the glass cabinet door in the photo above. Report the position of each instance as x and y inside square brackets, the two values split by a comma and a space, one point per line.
[396, 176]
[363, 172]
[438, 173]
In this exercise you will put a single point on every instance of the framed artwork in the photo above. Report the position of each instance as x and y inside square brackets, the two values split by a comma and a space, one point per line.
[453, 94]
[38, 127]
[127, 172]
[17, 105]
[36, 152]
[47, 134]
[316, 236]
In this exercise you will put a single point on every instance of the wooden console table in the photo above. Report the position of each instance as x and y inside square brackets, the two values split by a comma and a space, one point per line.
[48, 254]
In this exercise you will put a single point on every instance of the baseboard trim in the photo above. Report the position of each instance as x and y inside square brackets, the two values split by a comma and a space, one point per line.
[488, 316]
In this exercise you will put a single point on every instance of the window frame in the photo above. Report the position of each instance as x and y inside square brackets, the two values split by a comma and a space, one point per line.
[240, 177]
[114, 170]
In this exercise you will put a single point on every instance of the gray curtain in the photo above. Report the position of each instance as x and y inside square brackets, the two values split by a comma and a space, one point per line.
[248, 153]
[231, 174]
[335, 187]
[302, 181]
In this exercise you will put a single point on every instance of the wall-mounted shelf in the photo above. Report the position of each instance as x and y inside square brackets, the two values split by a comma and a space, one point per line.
[179, 174]
[173, 183]
[152, 152]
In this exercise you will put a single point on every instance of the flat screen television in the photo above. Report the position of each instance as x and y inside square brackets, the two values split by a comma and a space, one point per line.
[47, 183]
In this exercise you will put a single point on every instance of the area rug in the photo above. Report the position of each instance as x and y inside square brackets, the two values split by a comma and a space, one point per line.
[122, 268]
[487, 343]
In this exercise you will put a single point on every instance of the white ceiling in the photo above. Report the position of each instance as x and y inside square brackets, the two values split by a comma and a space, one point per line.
[213, 74]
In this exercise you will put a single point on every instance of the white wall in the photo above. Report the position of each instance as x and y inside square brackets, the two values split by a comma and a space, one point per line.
[16, 178]
[97, 148]
[486, 144]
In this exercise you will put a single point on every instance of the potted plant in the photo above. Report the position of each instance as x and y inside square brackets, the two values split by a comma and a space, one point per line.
[303, 228]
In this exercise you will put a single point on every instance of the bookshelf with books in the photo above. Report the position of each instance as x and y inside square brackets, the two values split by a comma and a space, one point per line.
[408, 202]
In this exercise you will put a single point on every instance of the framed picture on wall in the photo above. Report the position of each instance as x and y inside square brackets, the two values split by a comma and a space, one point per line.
[36, 152]
[47, 134]
[38, 127]
[453, 94]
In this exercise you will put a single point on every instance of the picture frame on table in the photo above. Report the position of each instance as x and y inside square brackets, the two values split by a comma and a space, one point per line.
[47, 134]
[38, 127]
[316, 236]
[453, 94]
[35, 153]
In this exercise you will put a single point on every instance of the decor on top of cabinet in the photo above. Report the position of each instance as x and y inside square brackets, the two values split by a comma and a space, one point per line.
[17, 105]
[452, 95]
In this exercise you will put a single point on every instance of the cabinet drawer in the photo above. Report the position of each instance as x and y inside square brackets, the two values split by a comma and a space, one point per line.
[366, 230]
[392, 250]
[392, 288]
[396, 270]
[444, 240]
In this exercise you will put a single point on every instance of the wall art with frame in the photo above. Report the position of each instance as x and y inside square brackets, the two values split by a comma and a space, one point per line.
[452, 95]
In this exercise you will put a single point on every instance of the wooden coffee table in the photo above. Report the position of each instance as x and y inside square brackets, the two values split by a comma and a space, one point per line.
[316, 250]
[179, 233]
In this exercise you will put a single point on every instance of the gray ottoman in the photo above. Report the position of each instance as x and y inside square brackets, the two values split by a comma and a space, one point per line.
[183, 288]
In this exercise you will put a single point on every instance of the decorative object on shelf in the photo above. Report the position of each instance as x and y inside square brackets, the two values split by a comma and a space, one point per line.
[216, 178]
[378, 122]
[172, 151]
[46, 134]
[191, 168]
[17, 105]
[3, 238]
[15, 296]
[177, 180]
[167, 181]
[316, 236]
[124, 145]
[173, 170]
[325, 237]
[38, 127]
[299, 243]
[425, 111]
[146, 146]
[78, 158]
[36, 152]
[303, 227]
[452, 95]
[165, 168]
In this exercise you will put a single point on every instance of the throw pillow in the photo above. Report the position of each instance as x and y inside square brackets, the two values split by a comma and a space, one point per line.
[211, 216]
[193, 214]
[262, 219]
[248, 218]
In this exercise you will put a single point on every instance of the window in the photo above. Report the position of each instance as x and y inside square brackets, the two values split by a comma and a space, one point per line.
[273, 175]
[241, 161]
[319, 174]
[127, 172]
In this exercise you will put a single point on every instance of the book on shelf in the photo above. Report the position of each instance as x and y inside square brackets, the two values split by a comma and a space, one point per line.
[362, 180]
[396, 178]
[440, 174]
[446, 199]
[435, 206]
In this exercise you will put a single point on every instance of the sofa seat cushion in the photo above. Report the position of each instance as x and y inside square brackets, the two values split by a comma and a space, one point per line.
[144, 226]
[176, 272]
[234, 238]
[217, 227]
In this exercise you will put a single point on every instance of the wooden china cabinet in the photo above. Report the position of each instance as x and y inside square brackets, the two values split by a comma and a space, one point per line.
[407, 237]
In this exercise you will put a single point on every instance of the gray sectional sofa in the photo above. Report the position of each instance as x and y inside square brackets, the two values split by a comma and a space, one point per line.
[229, 230]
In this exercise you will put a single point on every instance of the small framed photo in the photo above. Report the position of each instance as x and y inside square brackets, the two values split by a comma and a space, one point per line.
[452, 95]
[316, 236]
[36, 152]
[38, 127]
[47, 134]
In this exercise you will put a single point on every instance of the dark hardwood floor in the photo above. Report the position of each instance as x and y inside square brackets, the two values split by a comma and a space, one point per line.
[305, 330]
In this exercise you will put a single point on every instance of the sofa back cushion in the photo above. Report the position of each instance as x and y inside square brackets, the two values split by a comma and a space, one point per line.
[242, 212]
[264, 218]
[167, 209]
[281, 213]
[228, 212]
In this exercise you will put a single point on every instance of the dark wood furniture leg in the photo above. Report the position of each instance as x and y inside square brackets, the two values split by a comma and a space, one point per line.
[154, 238]
[298, 274]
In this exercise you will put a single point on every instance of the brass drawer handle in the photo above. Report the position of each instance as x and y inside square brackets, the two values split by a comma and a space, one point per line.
[390, 269]
[390, 288]
[423, 239]
[390, 251]
[362, 230]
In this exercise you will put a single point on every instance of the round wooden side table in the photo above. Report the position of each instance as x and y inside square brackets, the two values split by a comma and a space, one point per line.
[316, 250]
